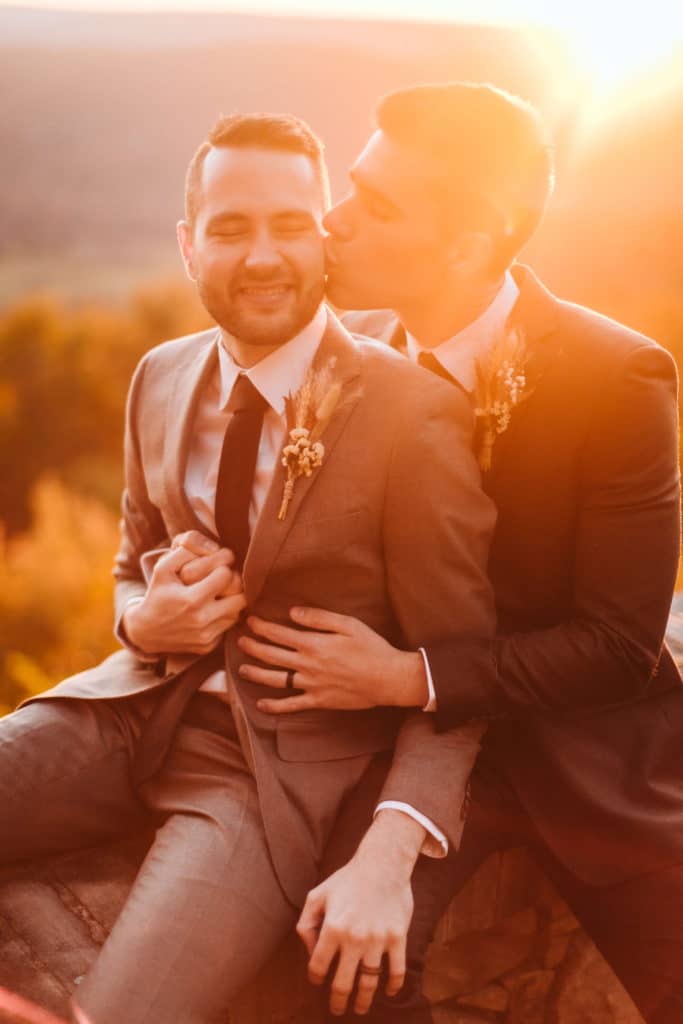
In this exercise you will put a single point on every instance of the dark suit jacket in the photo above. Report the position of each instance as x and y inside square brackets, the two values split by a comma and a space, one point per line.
[585, 703]
[385, 530]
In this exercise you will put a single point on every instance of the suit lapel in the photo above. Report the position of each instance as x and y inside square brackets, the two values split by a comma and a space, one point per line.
[534, 315]
[270, 532]
[191, 379]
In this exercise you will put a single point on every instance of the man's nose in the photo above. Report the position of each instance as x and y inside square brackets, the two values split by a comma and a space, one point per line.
[337, 221]
[263, 254]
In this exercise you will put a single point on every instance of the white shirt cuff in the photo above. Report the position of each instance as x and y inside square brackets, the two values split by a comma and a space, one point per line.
[435, 843]
[431, 702]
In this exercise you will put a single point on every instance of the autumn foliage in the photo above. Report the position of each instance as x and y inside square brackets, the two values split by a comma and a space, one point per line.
[64, 374]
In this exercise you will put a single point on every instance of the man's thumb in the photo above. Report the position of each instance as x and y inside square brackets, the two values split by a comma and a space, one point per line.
[308, 925]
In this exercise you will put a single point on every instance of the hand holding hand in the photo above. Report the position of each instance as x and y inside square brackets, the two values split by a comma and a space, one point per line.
[208, 556]
[186, 617]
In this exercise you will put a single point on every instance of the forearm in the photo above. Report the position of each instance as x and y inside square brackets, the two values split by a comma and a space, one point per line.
[569, 667]
[430, 771]
[407, 684]
[393, 839]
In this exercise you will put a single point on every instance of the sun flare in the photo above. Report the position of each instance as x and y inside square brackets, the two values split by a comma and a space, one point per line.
[613, 41]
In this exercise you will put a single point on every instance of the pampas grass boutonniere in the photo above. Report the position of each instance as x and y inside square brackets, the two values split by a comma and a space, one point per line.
[501, 387]
[308, 413]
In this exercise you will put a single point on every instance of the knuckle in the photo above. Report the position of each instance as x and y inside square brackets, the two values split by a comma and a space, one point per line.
[222, 575]
[340, 990]
[196, 615]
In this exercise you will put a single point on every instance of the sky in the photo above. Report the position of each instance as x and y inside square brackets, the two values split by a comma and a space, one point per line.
[614, 39]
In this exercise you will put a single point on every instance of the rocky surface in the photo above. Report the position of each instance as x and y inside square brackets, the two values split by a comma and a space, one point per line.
[508, 951]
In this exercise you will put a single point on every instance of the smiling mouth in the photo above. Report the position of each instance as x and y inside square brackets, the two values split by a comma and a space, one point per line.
[266, 295]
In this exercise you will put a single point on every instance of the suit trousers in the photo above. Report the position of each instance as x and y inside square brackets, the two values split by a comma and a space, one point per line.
[637, 925]
[206, 910]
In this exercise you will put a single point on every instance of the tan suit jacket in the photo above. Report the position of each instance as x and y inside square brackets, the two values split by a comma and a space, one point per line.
[393, 529]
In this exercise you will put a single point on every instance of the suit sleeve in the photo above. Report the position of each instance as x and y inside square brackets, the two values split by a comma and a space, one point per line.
[626, 559]
[141, 526]
[437, 527]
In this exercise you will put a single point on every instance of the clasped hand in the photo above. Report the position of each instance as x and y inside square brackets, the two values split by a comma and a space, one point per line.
[194, 596]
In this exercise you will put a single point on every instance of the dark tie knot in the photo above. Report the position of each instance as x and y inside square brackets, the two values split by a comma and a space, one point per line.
[246, 398]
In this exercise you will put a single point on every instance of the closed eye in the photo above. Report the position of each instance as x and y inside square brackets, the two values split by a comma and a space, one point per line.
[375, 203]
[227, 227]
[293, 224]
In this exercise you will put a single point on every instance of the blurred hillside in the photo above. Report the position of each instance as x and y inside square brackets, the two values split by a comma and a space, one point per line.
[103, 111]
[100, 115]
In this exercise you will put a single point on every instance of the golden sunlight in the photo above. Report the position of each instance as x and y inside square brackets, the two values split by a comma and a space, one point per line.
[614, 41]
[619, 47]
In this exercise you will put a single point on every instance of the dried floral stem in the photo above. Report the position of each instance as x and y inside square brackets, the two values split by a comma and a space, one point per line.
[310, 410]
[501, 387]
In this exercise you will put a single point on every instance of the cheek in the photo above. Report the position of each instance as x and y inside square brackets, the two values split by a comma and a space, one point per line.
[308, 260]
[394, 257]
[220, 263]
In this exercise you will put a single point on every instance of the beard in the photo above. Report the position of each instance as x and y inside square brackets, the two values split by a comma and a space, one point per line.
[262, 327]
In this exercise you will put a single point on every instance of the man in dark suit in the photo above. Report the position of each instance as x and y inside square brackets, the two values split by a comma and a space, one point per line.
[577, 440]
[314, 498]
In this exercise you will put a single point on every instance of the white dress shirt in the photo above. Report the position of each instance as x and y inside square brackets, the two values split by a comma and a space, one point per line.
[460, 353]
[280, 373]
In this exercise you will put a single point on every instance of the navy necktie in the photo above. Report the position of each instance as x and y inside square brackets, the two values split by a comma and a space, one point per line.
[237, 466]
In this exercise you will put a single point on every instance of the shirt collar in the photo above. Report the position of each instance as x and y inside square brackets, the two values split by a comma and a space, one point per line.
[280, 373]
[460, 353]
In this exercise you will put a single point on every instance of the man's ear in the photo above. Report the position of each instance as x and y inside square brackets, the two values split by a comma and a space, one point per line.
[471, 253]
[184, 234]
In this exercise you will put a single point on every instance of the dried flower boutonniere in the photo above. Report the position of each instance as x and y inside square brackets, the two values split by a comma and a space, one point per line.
[501, 387]
[308, 413]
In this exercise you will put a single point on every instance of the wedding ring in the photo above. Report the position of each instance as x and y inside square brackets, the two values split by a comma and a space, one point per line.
[366, 969]
[289, 685]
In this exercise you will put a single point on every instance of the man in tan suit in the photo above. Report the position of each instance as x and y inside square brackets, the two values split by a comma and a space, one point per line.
[372, 508]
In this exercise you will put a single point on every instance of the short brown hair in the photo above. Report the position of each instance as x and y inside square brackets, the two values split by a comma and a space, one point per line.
[283, 132]
[491, 150]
